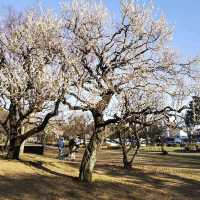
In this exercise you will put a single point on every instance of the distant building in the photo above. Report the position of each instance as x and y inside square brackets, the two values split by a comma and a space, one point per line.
[182, 134]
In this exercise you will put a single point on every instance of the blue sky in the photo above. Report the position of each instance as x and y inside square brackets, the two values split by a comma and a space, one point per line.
[183, 14]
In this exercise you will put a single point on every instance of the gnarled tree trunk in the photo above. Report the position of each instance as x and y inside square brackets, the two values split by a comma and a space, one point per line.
[129, 153]
[16, 136]
[14, 148]
[127, 164]
[15, 133]
[22, 147]
[89, 157]
[5, 148]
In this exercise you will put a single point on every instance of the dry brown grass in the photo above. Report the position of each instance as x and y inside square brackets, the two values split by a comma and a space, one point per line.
[153, 177]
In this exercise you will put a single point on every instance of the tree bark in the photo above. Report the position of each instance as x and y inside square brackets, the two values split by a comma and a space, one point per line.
[16, 137]
[127, 164]
[23, 143]
[22, 147]
[15, 134]
[127, 158]
[164, 152]
[84, 140]
[89, 157]
[5, 148]
[14, 148]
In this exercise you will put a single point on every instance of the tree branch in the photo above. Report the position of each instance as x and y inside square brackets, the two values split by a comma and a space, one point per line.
[42, 126]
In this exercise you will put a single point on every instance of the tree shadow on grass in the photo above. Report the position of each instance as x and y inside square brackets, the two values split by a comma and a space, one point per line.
[26, 187]
[40, 165]
[180, 187]
[171, 160]
[119, 184]
[135, 184]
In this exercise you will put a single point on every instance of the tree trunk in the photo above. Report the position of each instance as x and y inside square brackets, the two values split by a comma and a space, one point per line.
[44, 142]
[128, 160]
[127, 164]
[89, 157]
[23, 143]
[22, 147]
[164, 152]
[5, 148]
[84, 139]
[14, 148]
[15, 140]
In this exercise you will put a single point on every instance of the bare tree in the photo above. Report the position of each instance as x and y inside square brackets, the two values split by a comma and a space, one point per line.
[77, 125]
[128, 137]
[86, 60]
[30, 51]
[136, 107]
[113, 57]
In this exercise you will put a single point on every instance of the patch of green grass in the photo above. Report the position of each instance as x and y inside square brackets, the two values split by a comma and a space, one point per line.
[158, 149]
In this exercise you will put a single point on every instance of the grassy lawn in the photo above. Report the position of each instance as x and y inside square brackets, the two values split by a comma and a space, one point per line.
[158, 149]
[175, 176]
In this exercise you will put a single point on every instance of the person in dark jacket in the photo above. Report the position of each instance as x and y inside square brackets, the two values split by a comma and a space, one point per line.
[73, 147]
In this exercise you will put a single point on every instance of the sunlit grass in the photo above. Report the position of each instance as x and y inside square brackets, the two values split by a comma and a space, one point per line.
[158, 149]
[152, 177]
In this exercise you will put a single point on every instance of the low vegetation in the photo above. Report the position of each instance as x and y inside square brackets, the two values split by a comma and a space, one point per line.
[175, 176]
[158, 149]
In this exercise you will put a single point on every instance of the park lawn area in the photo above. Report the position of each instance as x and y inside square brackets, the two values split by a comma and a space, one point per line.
[158, 149]
[153, 177]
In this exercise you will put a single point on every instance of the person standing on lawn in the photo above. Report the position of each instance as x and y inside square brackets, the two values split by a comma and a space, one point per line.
[61, 146]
